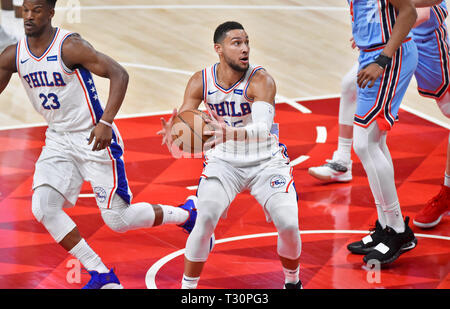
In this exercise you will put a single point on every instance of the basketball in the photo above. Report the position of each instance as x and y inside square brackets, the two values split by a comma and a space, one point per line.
[187, 131]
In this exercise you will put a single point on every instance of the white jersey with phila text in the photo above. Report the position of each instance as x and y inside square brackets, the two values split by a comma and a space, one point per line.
[235, 107]
[67, 99]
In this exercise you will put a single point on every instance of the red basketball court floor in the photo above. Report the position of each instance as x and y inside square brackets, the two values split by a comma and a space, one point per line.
[244, 257]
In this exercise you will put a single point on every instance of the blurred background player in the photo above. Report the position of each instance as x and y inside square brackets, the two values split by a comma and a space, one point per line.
[244, 154]
[11, 18]
[433, 78]
[82, 142]
[5, 40]
[388, 59]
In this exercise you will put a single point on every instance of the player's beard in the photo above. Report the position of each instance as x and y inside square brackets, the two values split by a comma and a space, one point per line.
[235, 66]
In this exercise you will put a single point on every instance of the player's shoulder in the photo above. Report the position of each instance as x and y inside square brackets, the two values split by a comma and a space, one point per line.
[8, 57]
[74, 40]
[196, 79]
[261, 76]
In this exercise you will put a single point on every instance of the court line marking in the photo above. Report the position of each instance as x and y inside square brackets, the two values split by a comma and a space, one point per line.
[150, 276]
[206, 7]
[294, 104]
[321, 135]
[299, 160]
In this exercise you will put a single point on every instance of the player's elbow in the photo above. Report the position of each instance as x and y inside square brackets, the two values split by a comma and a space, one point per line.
[124, 76]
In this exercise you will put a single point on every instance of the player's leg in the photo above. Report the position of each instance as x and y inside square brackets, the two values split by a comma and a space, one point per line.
[282, 209]
[274, 188]
[57, 182]
[377, 109]
[122, 217]
[438, 206]
[339, 168]
[47, 207]
[213, 201]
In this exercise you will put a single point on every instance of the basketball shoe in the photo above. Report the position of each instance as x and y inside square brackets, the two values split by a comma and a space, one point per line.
[335, 169]
[293, 286]
[369, 242]
[103, 281]
[392, 246]
[434, 210]
[189, 206]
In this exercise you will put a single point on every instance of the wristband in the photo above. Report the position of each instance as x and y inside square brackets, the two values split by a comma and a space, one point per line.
[105, 123]
[383, 61]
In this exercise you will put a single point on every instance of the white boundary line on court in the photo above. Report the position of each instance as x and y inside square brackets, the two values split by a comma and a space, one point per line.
[150, 276]
[207, 7]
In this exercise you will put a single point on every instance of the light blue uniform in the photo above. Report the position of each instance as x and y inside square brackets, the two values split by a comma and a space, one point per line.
[431, 38]
[372, 24]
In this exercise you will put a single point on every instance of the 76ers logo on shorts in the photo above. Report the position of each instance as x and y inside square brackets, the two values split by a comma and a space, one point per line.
[277, 181]
[100, 194]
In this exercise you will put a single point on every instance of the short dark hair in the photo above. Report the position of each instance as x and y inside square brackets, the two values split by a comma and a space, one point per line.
[51, 3]
[224, 28]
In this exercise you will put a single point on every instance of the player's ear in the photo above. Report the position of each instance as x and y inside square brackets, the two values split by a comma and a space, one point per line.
[218, 48]
[52, 13]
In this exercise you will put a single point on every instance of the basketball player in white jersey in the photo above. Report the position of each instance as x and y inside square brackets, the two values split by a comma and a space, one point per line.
[245, 153]
[82, 142]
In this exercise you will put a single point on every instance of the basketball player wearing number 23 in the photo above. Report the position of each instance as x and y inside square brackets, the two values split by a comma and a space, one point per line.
[82, 143]
[244, 153]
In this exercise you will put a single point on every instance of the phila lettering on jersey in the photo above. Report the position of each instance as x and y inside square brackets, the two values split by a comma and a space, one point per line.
[234, 105]
[372, 22]
[67, 99]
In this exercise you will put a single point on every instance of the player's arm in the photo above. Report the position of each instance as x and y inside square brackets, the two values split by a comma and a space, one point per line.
[425, 3]
[193, 97]
[7, 66]
[262, 90]
[406, 18]
[77, 52]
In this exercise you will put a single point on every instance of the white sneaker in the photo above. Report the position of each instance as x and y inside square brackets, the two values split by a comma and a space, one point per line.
[334, 170]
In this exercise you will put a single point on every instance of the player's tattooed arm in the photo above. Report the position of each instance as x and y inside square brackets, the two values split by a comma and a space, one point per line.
[77, 52]
[7, 66]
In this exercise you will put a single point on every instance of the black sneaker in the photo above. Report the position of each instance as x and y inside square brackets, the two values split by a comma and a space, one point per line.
[393, 244]
[292, 286]
[369, 242]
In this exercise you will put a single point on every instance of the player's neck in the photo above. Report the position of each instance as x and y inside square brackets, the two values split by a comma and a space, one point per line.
[227, 76]
[42, 41]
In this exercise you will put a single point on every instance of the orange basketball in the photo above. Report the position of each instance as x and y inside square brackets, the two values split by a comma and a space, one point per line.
[187, 131]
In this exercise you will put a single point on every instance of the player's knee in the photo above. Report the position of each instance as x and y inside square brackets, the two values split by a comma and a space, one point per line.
[114, 219]
[46, 202]
[348, 84]
[360, 144]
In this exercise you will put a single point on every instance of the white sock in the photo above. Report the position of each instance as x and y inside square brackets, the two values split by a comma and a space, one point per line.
[344, 150]
[90, 260]
[291, 276]
[381, 216]
[394, 218]
[447, 180]
[189, 282]
[174, 215]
